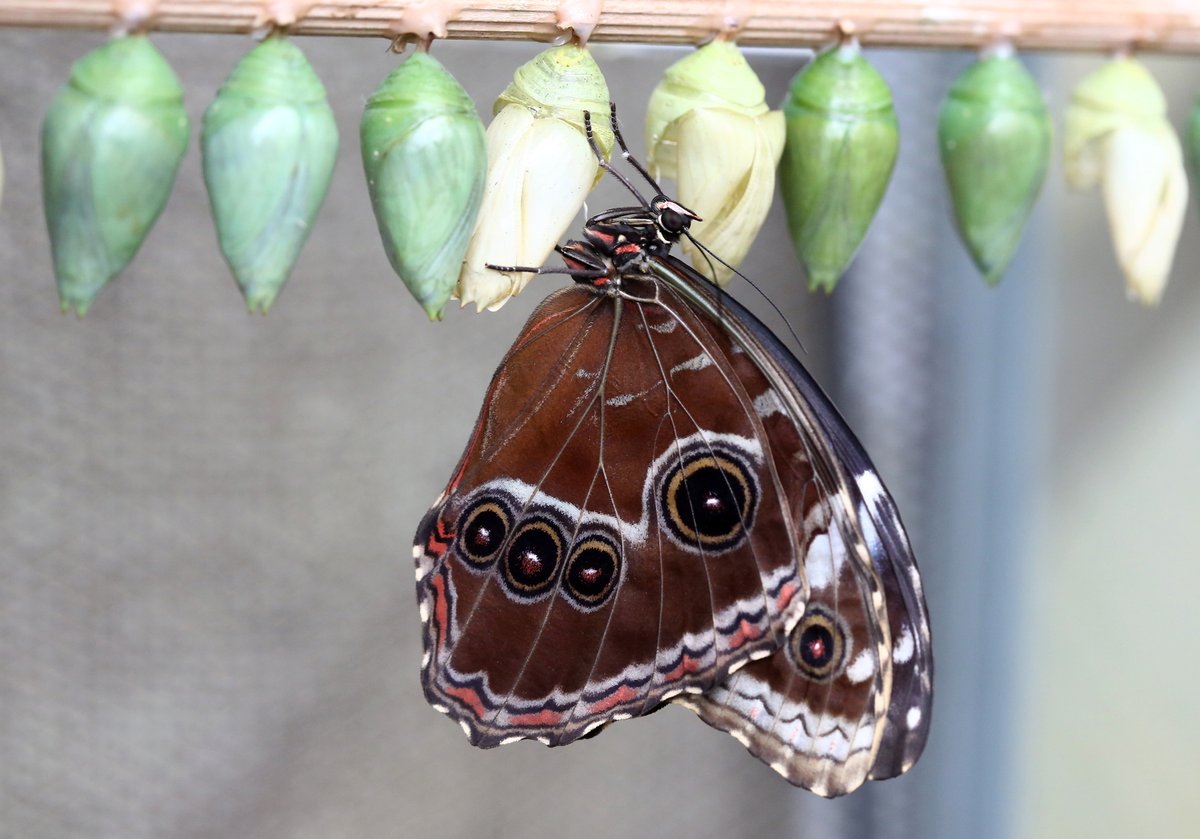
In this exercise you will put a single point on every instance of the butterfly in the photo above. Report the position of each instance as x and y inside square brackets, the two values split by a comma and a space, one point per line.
[659, 505]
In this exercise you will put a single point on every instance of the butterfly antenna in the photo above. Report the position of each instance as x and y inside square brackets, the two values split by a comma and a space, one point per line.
[591, 138]
[710, 256]
[626, 153]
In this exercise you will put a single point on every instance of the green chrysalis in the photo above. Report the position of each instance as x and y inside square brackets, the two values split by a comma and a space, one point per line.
[842, 142]
[269, 144]
[425, 160]
[994, 133]
[112, 142]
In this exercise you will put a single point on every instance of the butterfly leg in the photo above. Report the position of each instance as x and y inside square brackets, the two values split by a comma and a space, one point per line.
[604, 164]
[583, 263]
[626, 153]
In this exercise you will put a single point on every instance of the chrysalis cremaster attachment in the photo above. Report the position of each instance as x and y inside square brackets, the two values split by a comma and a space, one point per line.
[842, 142]
[112, 142]
[425, 159]
[270, 143]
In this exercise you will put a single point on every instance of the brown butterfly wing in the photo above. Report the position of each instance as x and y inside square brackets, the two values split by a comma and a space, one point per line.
[616, 533]
[848, 696]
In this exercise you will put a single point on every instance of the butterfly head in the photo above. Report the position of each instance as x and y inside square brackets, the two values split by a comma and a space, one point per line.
[671, 218]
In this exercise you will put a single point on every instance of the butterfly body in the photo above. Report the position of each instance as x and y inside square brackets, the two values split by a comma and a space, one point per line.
[658, 504]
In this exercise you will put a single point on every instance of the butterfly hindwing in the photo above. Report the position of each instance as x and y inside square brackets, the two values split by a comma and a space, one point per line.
[615, 535]
[847, 697]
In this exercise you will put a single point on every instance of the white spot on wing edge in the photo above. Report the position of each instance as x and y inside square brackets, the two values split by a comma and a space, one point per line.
[508, 740]
[818, 562]
[870, 486]
[903, 649]
[416, 551]
[913, 718]
[423, 610]
[768, 403]
[466, 728]
[862, 668]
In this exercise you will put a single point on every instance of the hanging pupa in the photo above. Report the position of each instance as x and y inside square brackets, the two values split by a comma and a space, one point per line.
[112, 142]
[1117, 134]
[269, 145]
[540, 169]
[842, 142]
[425, 159]
[709, 128]
[994, 135]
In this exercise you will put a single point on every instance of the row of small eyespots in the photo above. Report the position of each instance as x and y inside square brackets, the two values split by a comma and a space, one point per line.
[534, 556]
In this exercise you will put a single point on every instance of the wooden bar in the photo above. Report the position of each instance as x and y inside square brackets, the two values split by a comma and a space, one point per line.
[1105, 25]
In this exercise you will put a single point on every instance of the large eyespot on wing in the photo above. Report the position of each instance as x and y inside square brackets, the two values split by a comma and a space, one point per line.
[708, 498]
[616, 532]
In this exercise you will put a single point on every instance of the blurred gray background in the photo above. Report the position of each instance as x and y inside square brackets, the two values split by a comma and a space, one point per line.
[207, 623]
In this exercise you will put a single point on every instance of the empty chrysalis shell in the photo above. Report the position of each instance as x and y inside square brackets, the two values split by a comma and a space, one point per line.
[842, 142]
[1117, 134]
[269, 144]
[994, 133]
[540, 168]
[425, 158]
[112, 142]
[709, 128]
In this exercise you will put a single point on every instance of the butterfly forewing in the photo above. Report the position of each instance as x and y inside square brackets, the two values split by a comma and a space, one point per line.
[617, 532]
